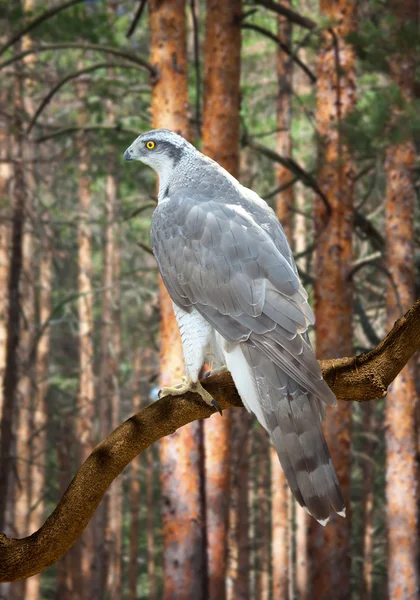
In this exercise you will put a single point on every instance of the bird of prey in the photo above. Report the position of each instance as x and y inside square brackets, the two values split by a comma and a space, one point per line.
[227, 265]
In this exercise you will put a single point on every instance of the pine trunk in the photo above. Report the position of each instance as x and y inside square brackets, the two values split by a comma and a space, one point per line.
[220, 142]
[82, 581]
[336, 96]
[182, 510]
[402, 482]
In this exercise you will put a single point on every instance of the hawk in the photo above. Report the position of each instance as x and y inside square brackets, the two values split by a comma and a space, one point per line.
[227, 265]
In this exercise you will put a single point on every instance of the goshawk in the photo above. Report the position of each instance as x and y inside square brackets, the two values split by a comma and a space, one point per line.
[227, 265]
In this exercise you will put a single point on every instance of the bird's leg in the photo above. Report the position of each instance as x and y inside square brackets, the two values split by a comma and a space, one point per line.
[188, 385]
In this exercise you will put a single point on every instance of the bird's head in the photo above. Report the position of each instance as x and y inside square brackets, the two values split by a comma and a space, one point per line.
[161, 149]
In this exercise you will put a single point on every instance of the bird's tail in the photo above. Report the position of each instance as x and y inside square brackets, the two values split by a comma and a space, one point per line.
[293, 418]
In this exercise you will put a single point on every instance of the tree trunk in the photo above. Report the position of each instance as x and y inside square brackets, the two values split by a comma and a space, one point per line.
[238, 548]
[368, 474]
[39, 409]
[301, 540]
[82, 583]
[110, 359]
[11, 377]
[262, 517]
[402, 484]
[138, 368]
[182, 511]
[220, 142]
[336, 96]
[284, 203]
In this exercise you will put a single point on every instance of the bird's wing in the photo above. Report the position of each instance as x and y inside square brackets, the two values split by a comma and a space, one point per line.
[226, 261]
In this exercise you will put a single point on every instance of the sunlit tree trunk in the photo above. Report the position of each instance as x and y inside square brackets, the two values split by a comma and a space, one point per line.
[182, 511]
[238, 568]
[11, 375]
[109, 386]
[368, 474]
[262, 517]
[82, 581]
[221, 142]
[39, 409]
[336, 96]
[402, 483]
[135, 488]
[302, 559]
[280, 526]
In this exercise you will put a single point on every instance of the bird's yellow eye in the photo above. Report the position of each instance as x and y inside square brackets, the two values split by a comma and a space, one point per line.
[150, 145]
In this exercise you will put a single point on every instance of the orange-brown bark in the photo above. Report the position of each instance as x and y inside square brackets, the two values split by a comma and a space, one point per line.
[39, 409]
[402, 477]
[336, 96]
[220, 142]
[368, 474]
[182, 514]
[238, 567]
[302, 520]
[284, 202]
[260, 503]
[84, 431]
[279, 529]
[279, 488]
[135, 489]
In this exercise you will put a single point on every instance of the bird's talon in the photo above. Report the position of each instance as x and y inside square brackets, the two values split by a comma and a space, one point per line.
[217, 407]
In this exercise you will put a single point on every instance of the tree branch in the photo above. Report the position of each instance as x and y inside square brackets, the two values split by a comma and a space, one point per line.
[363, 377]
[81, 46]
[291, 15]
[51, 12]
[284, 47]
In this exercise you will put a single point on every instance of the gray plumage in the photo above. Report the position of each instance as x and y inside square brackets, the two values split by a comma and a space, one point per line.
[222, 253]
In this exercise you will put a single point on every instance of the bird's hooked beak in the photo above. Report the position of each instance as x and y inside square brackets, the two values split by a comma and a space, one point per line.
[128, 154]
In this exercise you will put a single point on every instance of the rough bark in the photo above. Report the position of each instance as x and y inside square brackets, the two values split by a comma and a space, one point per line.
[280, 525]
[39, 409]
[220, 142]
[368, 474]
[182, 514]
[336, 96]
[402, 483]
[10, 381]
[82, 584]
[260, 506]
[135, 490]
[302, 559]
[237, 576]
[110, 360]
[25, 557]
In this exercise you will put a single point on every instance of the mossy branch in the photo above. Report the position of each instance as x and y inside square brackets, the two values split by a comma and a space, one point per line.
[364, 377]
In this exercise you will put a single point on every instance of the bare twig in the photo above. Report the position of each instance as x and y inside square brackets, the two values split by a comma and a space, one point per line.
[136, 19]
[51, 12]
[303, 176]
[68, 78]
[291, 15]
[81, 46]
[85, 129]
[364, 377]
[284, 47]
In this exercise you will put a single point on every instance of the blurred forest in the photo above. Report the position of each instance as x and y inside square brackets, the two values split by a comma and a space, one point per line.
[315, 106]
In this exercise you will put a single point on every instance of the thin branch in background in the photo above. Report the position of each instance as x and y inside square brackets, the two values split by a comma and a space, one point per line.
[306, 178]
[81, 46]
[136, 19]
[291, 15]
[196, 68]
[145, 247]
[51, 12]
[284, 47]
[85, 129]
[68, 78]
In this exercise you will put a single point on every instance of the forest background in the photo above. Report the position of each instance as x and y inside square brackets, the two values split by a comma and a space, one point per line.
[316, 108]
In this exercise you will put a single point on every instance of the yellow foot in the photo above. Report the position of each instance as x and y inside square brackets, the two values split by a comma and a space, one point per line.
[188, 385]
